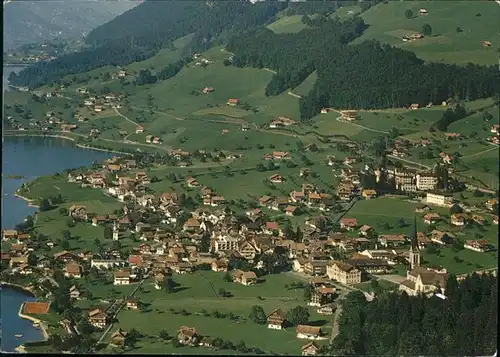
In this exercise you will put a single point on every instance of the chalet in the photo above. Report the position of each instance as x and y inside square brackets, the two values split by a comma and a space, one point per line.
[121, 277]
[281, 155]
[442, 237]
[481, 245]
[98, 108]
[208, 90]
[188, 336]
[233, 102]
[74, 293]
[366, 231]
[322, 296]
[276, 178]
[495, 220]
[245, 278]
[432, 218]
[78, 212]
[486, 43]
[343, 272]
[423, 240]
[220, 265]
[290, 210]
[308, 332]
[458, 219]
[99, 220]
[416, 36]
[276, 319]
[73, 270]
[98, 318]
[392, 240]
[348, 224]
[122, 74]
[192, 182]
[279, 204]
[310, 349]
[422, 12]
[118, 338]
[478, 219]
[369, 194]
[492, 204]
[64, 256]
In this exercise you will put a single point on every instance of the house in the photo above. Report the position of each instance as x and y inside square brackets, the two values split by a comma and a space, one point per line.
[366, 231]
[458, 219]
[78, 212]
[220, 265]
[348, 224]
[478, 219]
[139, 129]
[192, 182]
[281, 155]
[392, 240]
[492, 204]
[206, 342]
[369, 194]
[122, 277]
[98, 108]
[73, 270]
[276, 319]
[132, 304]
[308, 332]
[245, 278]
[310, 349]
[486, 43]
[233, 102]
[371, 266]
[442, 237]
[495, 220]
[423, 12]
[447, 159]
[74, 293]
[188, 336]
[276, 178]
[343, 272]
[208, 90]
[118, 338]
[481, 245]
[98, 318]
[8, 234]
[422, 280]
[290, 211]
[432, 218]
[322, 296]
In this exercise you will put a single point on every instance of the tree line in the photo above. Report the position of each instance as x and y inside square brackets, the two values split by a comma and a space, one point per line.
[142, 31]
[370, 75]
[464, 324]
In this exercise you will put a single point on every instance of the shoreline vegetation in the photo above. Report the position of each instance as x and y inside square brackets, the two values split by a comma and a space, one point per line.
[82, 146]
[30, 202]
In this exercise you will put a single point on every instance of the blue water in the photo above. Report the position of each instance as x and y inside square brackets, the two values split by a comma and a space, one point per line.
[30, 157]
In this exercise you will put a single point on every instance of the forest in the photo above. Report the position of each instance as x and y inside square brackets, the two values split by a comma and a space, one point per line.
[370, 75]
[395, 324]
[141, 32]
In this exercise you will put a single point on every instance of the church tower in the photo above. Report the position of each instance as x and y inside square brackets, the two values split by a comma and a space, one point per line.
[414, 250]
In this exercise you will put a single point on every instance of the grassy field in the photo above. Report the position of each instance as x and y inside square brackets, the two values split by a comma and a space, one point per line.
[346, 12]
[198, 292]
[387, 23]
[287, 24]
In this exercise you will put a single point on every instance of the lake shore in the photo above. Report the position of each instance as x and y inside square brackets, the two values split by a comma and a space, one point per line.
[40, 323]
[22, 288]
[89, 147]
[30, 202]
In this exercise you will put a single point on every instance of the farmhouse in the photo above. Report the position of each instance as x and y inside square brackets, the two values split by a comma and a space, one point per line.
[122, 278]
[276, 319]
[208, 90]
[98, 318]
[481, 245]
[392, 240]
[245, 278]
[368, 194]
[458, 219]
[310, 349]
[431, 218]
[308, 332]
[423, 12]
[276, 178]
[188, 336]
[118, 338]
[281, 155]
[139, 129]
[348, 224]
[73, 270]
[233, 102]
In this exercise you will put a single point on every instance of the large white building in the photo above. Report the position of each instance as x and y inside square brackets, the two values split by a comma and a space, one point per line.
[439, 199]
[426, 181]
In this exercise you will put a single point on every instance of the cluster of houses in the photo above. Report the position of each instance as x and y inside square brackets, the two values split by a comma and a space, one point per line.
[495, 138]
[100, 103]
[281, 122]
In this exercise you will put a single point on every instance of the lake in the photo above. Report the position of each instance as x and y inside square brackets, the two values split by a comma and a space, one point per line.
[30, 157]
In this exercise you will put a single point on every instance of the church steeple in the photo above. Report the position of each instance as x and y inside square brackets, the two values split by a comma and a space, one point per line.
[414, 250]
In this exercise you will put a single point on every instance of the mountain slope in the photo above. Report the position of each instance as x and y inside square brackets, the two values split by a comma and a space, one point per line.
[36, 21]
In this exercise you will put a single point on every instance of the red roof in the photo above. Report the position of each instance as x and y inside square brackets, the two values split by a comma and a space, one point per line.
[272, 225]
[350, 222]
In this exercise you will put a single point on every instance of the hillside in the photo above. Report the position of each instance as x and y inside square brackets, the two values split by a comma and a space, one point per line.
[36, 21]
[458, 29]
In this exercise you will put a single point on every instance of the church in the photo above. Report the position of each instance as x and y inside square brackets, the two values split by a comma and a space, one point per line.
[419, 279]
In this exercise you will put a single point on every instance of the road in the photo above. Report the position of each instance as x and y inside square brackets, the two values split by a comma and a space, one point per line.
[125, 117]
[339, 119]
[115, 314]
